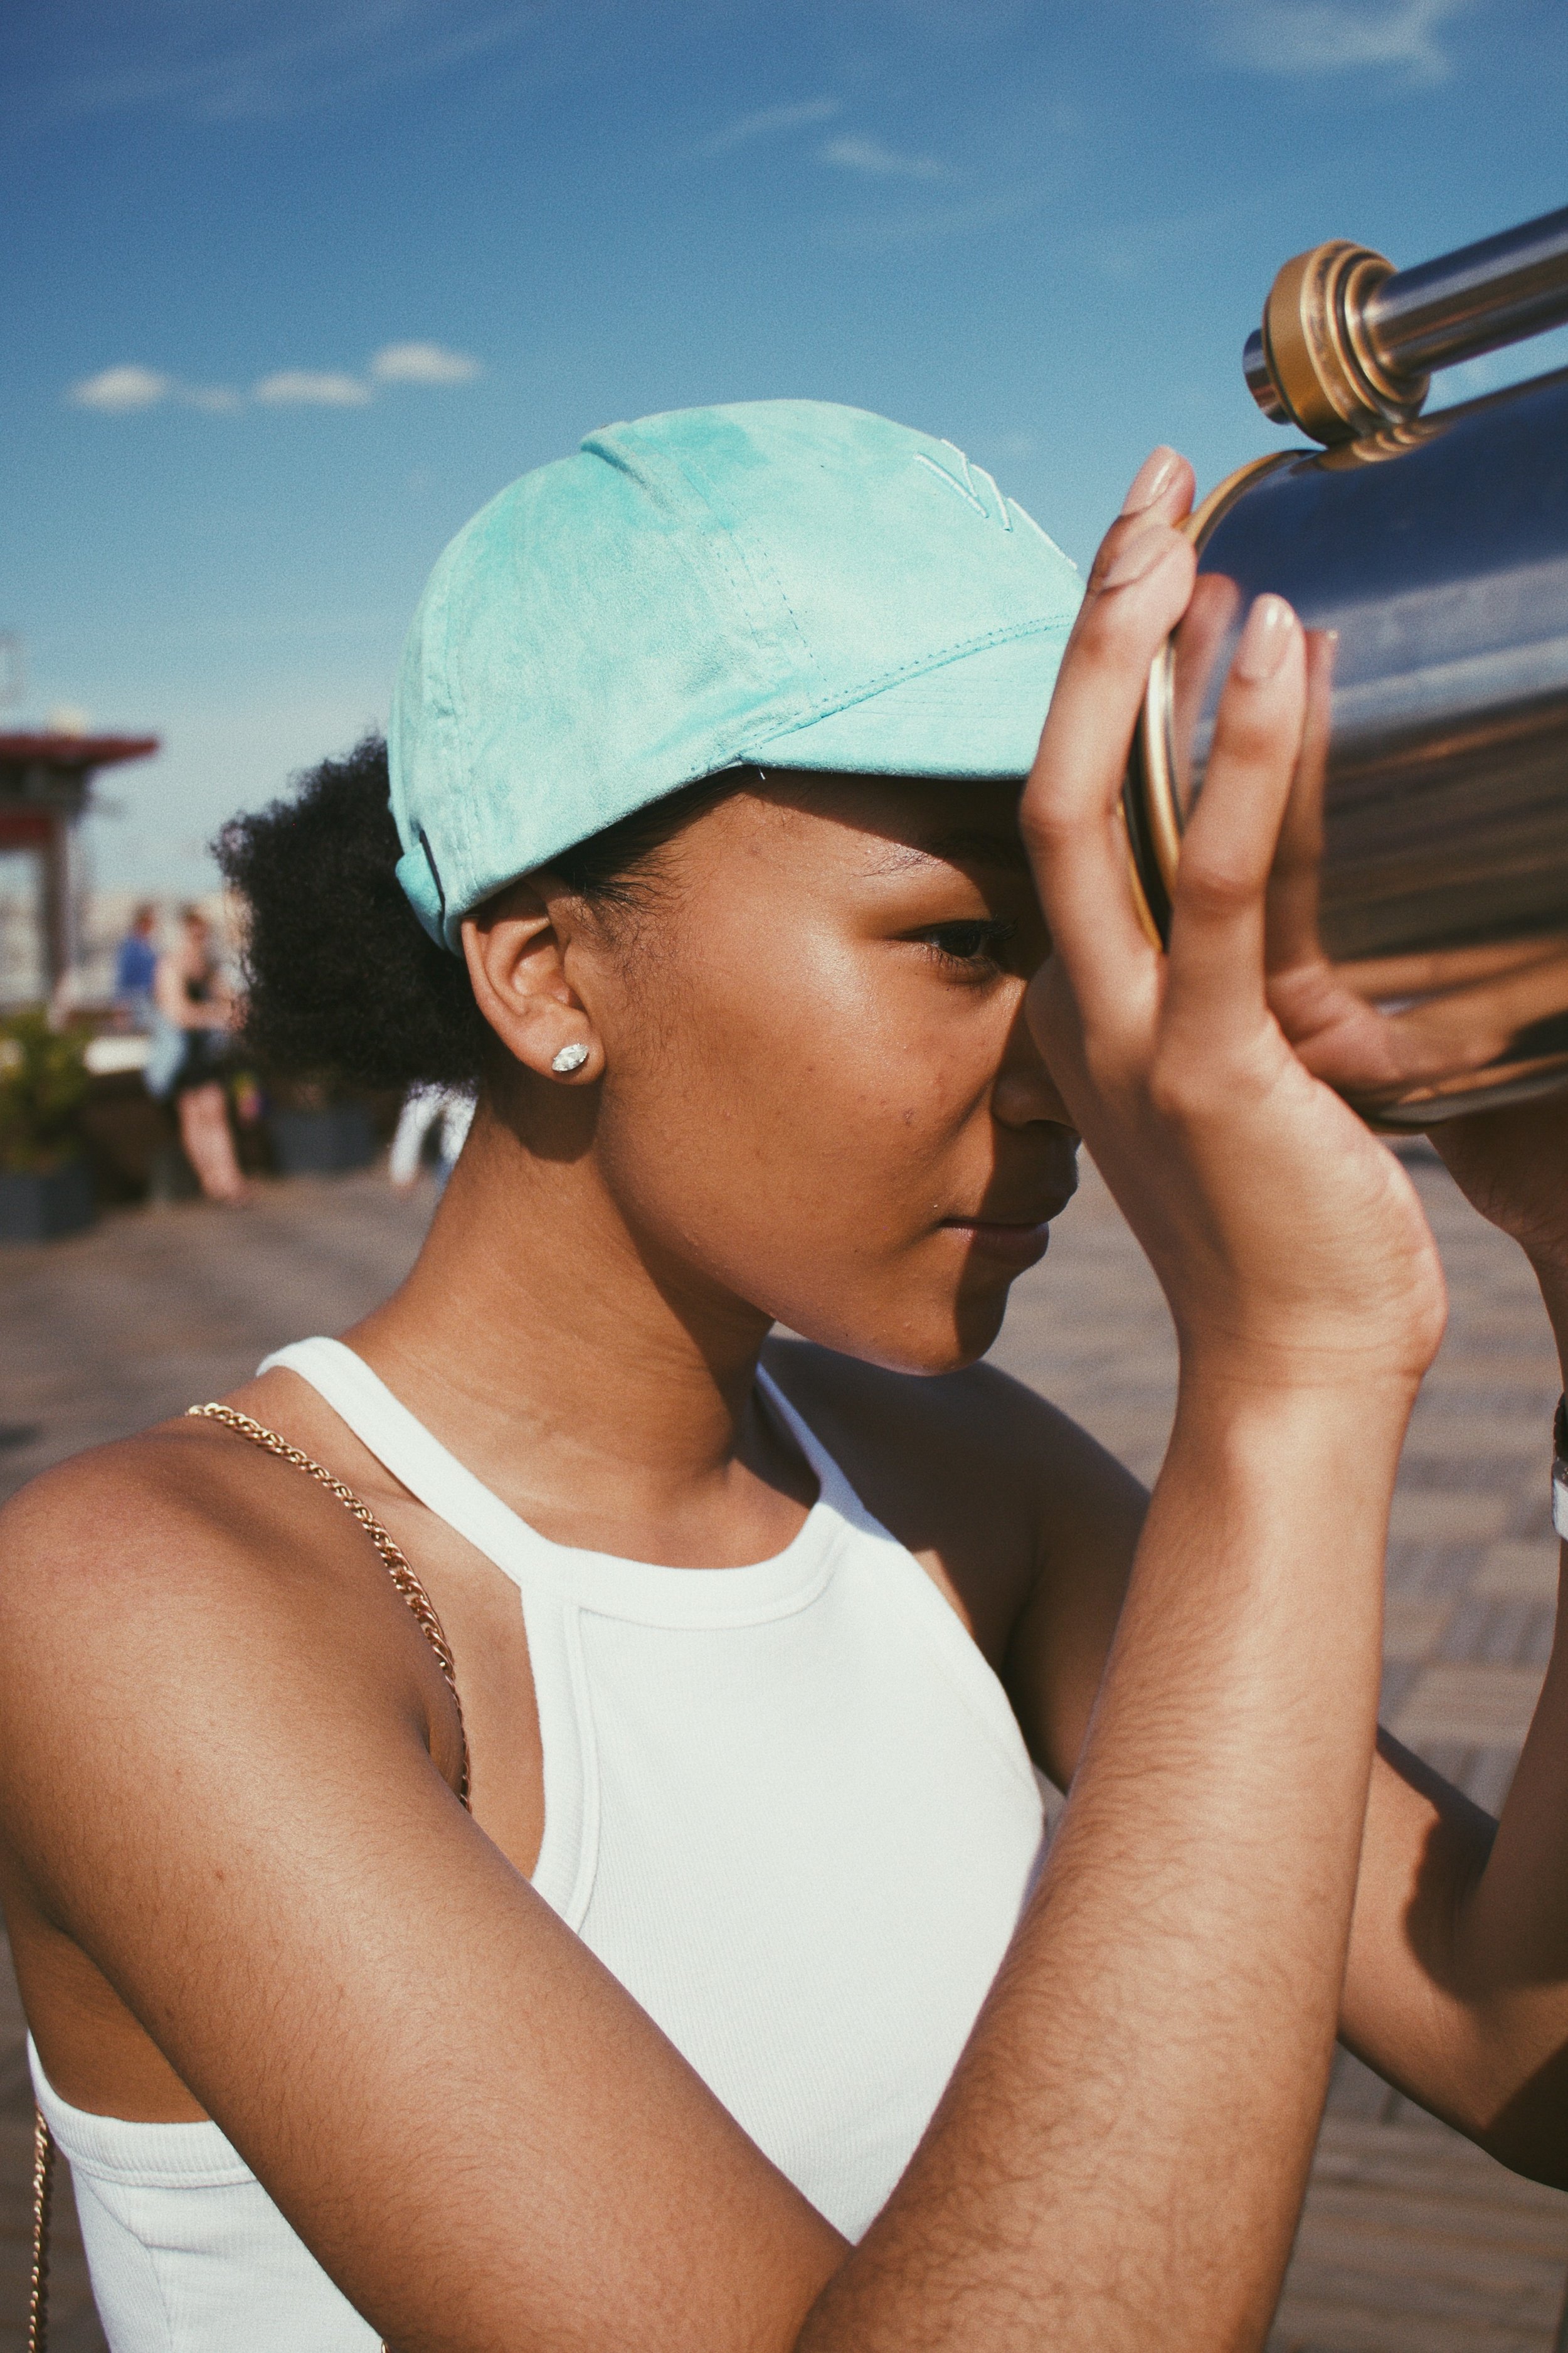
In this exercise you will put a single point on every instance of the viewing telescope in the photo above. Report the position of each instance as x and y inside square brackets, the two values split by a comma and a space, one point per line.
[1419, 909]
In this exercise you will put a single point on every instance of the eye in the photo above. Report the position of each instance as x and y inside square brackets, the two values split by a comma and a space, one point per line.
[976, 945]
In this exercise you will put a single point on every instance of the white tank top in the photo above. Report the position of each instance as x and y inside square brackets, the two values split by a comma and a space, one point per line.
[824, 1709]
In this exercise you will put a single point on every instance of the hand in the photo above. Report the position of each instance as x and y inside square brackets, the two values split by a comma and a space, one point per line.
[1290, 1244]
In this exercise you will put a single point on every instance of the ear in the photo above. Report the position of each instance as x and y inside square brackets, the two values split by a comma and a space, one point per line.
[516, 947]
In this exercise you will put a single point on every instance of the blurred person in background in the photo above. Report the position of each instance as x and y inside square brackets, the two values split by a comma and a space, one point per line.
[422, 1108]
[194, 1017]
[135, 969]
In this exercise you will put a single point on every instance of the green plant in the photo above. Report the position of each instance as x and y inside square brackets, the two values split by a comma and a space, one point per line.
[43, 1079]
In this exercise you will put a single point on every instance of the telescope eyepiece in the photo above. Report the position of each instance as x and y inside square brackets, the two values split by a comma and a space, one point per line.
[1259, 380]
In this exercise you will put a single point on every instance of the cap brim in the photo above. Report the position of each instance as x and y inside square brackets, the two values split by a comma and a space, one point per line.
[980, 715]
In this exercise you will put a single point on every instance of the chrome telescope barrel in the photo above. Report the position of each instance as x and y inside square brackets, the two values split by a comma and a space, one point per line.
[1418, 917]
[1474, 301]
[1348, 343]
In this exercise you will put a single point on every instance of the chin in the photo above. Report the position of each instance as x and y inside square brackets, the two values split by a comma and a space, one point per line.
[955, 1336]
[940, 1317]
[975, 1330]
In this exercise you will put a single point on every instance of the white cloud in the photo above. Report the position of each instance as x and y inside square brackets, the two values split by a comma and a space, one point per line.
[769, 121]
[423, 363]
[312, 388]
[876, 161]
[1325, 37]
[116, 390]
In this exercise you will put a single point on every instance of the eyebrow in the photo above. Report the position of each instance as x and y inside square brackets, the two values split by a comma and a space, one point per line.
[964, 845]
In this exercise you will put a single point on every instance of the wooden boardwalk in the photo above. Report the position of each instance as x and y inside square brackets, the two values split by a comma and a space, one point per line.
[1413, 2241]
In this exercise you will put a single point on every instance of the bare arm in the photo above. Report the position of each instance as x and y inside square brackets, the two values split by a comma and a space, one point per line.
[1457, 1979]
[472, 2126]
[1166, 2018]
[1457, 1989]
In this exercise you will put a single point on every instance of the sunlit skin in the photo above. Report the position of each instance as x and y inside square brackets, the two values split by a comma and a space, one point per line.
[833, 1082]
[869, 945]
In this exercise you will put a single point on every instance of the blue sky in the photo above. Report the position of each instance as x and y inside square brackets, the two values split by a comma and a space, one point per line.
[293, 286]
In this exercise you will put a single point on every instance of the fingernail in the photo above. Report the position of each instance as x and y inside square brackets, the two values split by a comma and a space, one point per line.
[1139, 554]
[1151, 478]
[1265, 639]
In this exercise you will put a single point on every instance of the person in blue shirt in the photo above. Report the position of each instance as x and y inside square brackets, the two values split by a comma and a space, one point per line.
[135, 964]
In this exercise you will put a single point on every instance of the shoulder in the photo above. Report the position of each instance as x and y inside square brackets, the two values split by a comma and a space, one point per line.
[180, 1573]
[176, 1509]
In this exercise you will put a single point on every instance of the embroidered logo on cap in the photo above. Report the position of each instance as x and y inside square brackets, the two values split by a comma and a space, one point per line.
[967, 485]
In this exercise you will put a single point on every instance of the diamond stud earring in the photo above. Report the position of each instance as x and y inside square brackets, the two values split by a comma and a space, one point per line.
[571, 1058]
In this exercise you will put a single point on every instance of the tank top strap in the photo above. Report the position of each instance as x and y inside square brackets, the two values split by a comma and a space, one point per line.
[436, 1478]
[402, 1445]
[834, 1488]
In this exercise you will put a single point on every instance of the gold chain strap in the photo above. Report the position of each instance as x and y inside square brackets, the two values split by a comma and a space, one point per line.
[395, 1563]
[42, 2203]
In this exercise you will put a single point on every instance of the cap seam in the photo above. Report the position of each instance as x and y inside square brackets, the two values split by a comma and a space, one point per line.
[736, 549]
[826, 704]
[759, 566]
[450, 743]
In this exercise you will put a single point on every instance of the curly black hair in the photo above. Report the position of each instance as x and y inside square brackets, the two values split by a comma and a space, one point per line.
[342, 979]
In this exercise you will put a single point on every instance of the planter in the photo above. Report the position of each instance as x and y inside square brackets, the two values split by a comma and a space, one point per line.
[126, 1134]
[38, 1205]
[322, 1142]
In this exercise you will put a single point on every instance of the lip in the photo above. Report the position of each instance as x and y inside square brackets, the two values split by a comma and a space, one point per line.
[1020, 1242]
[1016, 1242]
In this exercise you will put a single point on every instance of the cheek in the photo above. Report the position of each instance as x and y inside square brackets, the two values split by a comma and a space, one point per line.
[812, 1093]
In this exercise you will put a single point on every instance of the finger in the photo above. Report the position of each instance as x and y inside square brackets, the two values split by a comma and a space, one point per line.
[1161, 490]
[1214, 976]
[1291, 907]
[1065, 783]
[1071, 808]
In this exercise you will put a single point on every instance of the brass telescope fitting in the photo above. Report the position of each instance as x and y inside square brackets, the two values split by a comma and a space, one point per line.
[1348, 343]
[1312, 364]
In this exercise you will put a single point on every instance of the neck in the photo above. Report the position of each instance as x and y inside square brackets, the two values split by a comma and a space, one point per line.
[609, 1399]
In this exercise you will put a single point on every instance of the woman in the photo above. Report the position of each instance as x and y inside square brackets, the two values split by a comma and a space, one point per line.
[742, 2009]
[194, 1015]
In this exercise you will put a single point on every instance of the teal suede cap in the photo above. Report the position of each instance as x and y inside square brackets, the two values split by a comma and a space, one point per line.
[783, 583]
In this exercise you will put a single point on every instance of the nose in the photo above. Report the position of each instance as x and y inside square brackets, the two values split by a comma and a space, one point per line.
[1023, 1094]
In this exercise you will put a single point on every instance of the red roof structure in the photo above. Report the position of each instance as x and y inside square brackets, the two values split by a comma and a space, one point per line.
[46, 780]
[73, 752]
